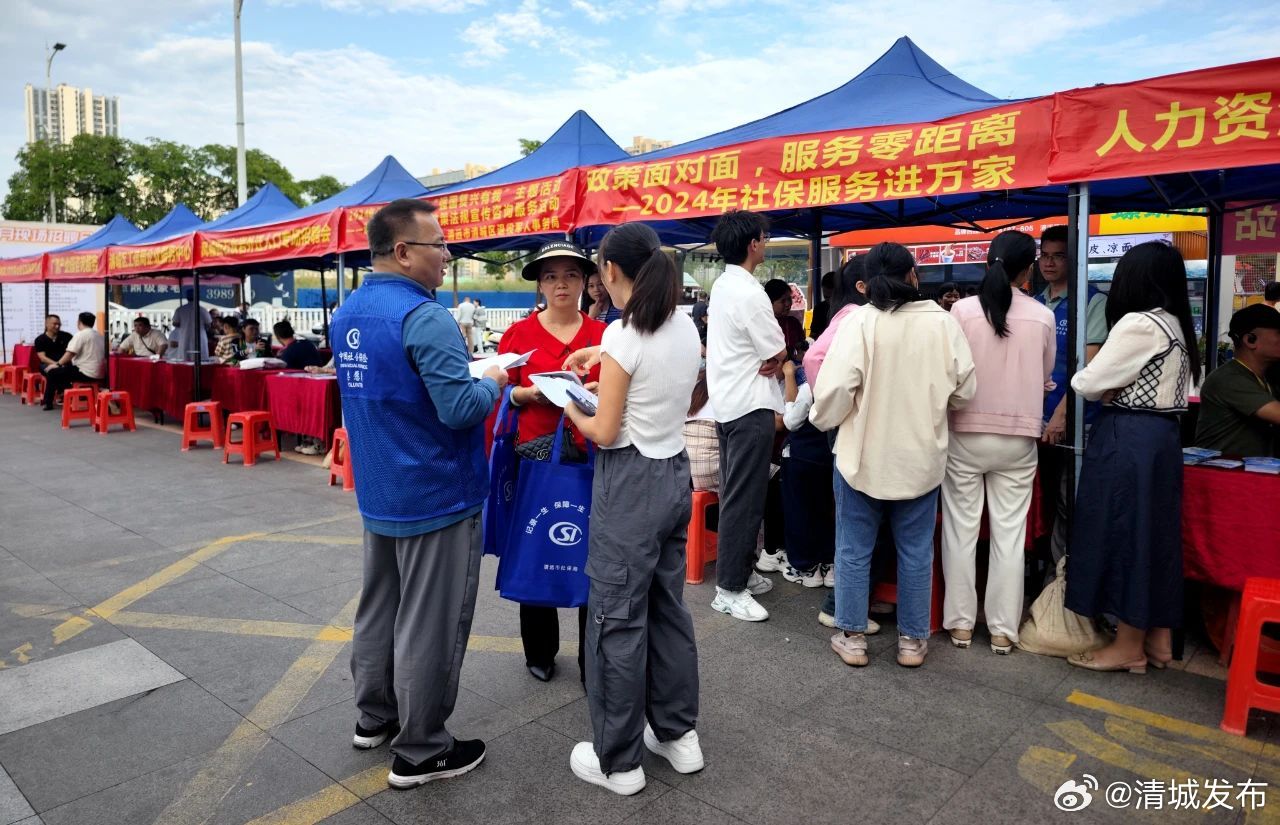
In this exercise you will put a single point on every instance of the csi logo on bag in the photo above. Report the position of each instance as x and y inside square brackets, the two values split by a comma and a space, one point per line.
[565, 533]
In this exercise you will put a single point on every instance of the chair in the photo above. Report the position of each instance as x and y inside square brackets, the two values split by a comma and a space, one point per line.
[5, 369]
[340, 464]
[33, 384]
[702, 544]
[1259, 605]
[13, 378]
[193, 430]
[258, 436]
[124, 417]
[79, 403]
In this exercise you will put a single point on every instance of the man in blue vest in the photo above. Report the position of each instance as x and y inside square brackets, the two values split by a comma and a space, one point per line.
[1055, 266]
[414, 416]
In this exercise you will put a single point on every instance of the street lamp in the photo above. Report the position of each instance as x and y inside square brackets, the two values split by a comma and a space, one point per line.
[242, 183]
[48, 119]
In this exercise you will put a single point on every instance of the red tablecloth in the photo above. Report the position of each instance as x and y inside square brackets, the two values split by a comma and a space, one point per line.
[1230, 526]
[136, 376]
[24, 355]
[302, 404]
[172, 386]
[240, 390]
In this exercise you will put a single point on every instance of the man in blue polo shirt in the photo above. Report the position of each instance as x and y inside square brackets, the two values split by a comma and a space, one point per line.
[414, 416]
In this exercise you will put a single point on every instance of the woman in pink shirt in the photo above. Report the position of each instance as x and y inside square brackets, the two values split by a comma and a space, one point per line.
[848, 294]
[993, 443]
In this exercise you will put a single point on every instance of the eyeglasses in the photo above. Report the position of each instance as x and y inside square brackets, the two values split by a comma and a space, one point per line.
[1056, 257]
[441, 245]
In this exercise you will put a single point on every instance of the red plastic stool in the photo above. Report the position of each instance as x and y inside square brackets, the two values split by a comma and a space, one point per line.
[253, 442]
[1259, 604]
[340, 463]
[193, 431]
[5, 369]
[13, 379]
[106, 418]
[78, 403]
[33, 384]
[702, 544]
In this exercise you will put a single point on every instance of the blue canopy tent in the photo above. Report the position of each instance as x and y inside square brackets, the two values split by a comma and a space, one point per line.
[267, 205]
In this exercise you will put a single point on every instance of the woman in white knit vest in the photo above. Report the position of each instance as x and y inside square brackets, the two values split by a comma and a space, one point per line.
[1125, 555]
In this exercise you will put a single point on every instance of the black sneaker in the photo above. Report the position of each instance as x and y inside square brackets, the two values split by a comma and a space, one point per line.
[465, 756]
[367, 738]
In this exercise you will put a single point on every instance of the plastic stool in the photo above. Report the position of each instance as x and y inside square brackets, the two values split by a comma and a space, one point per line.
[252, 442]
[106, 418]
[192, 431]
[1259, 604]
[702, 544]
[33, 384]
[78, 403]
[5, 369]
[340, 464]
[13, 379]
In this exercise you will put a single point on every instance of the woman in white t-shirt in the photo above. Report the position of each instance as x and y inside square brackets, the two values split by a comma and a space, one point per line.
[641, 659]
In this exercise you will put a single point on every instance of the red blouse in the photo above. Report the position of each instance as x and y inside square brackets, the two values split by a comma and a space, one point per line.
[548, 355]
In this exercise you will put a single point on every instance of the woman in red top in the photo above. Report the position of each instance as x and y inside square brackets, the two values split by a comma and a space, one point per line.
[550, 334]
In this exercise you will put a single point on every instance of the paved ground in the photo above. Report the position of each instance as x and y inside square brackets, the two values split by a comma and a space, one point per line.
[174, 643]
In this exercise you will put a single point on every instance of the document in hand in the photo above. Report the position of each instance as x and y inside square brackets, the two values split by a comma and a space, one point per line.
[506, 361]
[563, 388]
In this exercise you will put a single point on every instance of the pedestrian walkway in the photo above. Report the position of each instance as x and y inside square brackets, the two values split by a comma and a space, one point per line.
[174, 646]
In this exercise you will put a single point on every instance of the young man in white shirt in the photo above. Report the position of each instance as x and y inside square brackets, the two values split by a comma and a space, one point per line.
[745, 351]
[84, 359]
[466, 320]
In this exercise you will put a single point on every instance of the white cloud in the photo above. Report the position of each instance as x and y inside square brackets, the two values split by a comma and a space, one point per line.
[385, 6]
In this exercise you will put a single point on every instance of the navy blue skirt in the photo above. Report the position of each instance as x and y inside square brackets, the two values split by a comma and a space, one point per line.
[1126, 532]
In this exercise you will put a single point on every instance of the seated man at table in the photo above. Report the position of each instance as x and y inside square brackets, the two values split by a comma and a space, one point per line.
[84, 360]
[255, 346]
[144, 340]
[1239, 406]
[52, 343]
[230, 348]
[297, 353]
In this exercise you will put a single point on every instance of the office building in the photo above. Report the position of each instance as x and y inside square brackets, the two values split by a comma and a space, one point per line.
[70, 111]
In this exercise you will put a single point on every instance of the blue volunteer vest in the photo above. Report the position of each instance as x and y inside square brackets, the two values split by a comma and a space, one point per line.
[1052, 400]
[408, 466]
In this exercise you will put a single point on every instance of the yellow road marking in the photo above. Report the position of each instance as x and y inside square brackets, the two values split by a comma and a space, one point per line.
[200, 797]
[1135, 735]
[1045, 768]
[1166, 723]
[1082, 738]
[21, 652]
[328, 801]
[316, 539]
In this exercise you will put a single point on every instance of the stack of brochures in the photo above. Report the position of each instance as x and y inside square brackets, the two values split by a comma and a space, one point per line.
[1198, 455]
[1270, 466]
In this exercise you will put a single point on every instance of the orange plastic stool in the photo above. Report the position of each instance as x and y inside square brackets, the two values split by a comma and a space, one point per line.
[702, 544]
[106, 418]
[13, 379]
[340, 464]
[78, 403]
[193, 431]
[1259, 604]
[253, 441]
[33, 384]
[5, 369]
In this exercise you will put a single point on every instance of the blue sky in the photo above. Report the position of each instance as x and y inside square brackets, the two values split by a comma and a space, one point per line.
[332, 86]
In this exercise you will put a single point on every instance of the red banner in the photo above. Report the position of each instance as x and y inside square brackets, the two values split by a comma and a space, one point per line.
[22, 270]
[1002, 148]
[78, 265]
[164, 256]
[1210, 119]
[354, 221]
[534, 207]
[309, 237]
[1250, 231]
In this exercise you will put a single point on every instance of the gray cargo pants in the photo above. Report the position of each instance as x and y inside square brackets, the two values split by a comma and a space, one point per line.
[642, 661]
[746, 445]
[411, 633]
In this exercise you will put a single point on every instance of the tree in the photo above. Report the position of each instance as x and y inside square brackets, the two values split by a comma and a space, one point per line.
[528, 147]
[40, 169]
[170, 173]
[100, 182]
[317, 189]
[260, 169]
[496, 263]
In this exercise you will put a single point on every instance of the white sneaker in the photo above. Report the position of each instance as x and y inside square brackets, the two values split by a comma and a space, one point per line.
[808, 578]
[741, 605]
[828, 575]
[586, 766]
[684, 754]
[774, 562]
[757, 584]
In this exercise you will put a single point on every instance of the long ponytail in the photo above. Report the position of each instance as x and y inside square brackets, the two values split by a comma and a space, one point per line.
[655, 281]
[887, 268]
[1011, 254]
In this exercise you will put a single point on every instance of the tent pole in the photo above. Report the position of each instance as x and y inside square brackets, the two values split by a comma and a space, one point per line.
[815, 260]
[324, 309]
[195, 379]
[46, 299]
[1213, 285]
[1078, 250]
[342, 275]
[106, 313]
[454, 267]
[4, 346]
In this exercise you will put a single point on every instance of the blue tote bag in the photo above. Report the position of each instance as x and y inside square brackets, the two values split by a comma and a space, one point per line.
[502, 478]
[545, 557]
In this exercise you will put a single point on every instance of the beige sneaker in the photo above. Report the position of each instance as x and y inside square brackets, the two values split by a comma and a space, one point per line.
[911, 652]
[851, 649]
[1001, 644]
[961, 637]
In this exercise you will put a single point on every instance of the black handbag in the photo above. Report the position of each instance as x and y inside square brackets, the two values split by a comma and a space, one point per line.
[539, 449]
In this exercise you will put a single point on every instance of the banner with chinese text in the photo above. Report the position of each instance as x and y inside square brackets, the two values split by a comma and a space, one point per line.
[310, 237]
[22, 270]
[1250, 231]
[1001, 148]
[164, 256]
[76, 265]
[1217, 118]
[536, 207]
